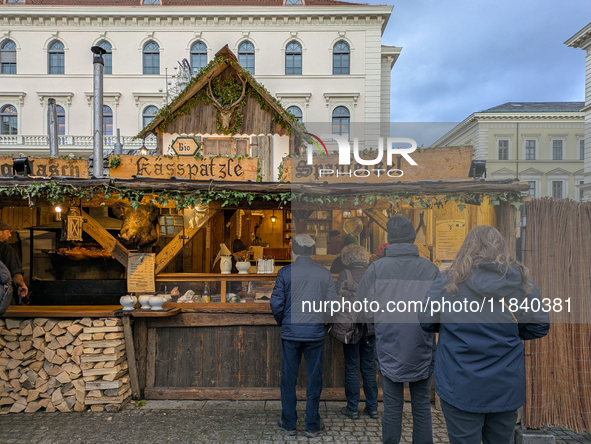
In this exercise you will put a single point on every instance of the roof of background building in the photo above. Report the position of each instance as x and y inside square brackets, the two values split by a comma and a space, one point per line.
[183, 3]
[540, 107]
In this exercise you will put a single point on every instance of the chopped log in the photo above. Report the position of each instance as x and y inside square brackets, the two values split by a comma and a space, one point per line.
[85, 337]
[65, 339]
[98, 358]
[62, 354]
[39, 344]
[94, 394]
[40, 356]
[111, 322]
[50, 324]
[53, 383]
[97, 408]
[63, 378]
[54, 345]
[17, 385]
[32, 407]
[12, 323]
[17, 408]
[79, 406]
[26, 346]
[58, 360]
[57, 331]
[43, 387]
[63, 407]
[86, 366]
[12, 364]
[110, 329]
[98, 323]
[99, 364]
[113, 376]
[98, 336]
[49, 337]
[70, 402]
[75, 329]
[38, 332]
[65, 323]
[104, 385]
[27, 329]
[80, 395]
[12, 346]
[112, 408]
[87, 322]
[50, 407]
[30, 354]
[40, 322]
[56, 396]
[42, 374]
[77, 351]
[6, 400]
[44, 402]
[49, 355]
[17, 354]
[103, 344]
[101, 371]
[118, 391]
[110, 336]
[103, 400]
[14, 374]
[76, 360]
[77, 342]
[112, 350]
[10, 338]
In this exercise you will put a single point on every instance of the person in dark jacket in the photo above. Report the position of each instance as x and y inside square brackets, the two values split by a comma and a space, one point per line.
[359, 356]
[404, 351]
[479, 364]
[9, 257]
[299, 286]
[337, 265]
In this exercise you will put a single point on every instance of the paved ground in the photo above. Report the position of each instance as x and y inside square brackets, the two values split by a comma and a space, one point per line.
[160, 422]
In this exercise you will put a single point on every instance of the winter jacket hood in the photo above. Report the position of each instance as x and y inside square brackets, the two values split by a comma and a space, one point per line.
[490, 281]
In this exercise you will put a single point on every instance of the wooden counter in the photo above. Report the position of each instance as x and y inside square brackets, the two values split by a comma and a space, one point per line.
[61, 311]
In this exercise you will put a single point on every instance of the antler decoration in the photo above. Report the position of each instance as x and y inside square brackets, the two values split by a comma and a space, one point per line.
[226, 111]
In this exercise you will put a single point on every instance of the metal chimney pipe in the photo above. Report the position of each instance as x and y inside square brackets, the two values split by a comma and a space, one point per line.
[52, 124]
[97, 127]
[118, 146]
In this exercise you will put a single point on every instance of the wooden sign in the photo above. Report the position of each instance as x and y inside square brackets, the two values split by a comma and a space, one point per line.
[220, 168]
[447, 164]
[449, 237]
[185, 145]
[48, 167]
[140, 273]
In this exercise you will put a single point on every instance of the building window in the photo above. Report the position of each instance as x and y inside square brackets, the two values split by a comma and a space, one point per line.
[246, 56]
[532, 188]
[61, 121]
[557, 149]
[107, 121]
[293, 59]
[581, 191]
[172, 221]
[151, 58]
[297, 112]
[557, 186]
[198, 56]
[503, 150]
[14, 2]
[8, 120]
[56, 58]
[148, 115]
[293, 3]
[8, 57]
[108, 56]
[340, 58]
[530, 150]
[150, 2]
[340, 121]
[582, 149]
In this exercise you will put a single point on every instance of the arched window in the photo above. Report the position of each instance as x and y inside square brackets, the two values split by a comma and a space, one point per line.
[56, 59]
[293, 59]
[108, 56]
[15, 2]
[151, 58]
[8, 120]
[340, 58]
[297, 112]
[150, 2]
[340, 121]
[293, 3]
[8, 57]
[198, 56]
[246, 56]
[148, 115]
[107, 121]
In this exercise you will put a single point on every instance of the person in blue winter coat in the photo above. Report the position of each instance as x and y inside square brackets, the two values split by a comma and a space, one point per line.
[479, 360]
[300, 285]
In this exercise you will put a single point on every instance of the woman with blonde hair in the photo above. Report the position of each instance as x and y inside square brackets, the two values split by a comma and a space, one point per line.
[482, 309]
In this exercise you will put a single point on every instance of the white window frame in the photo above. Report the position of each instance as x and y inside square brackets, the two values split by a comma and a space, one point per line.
[499, 139]
[536, 148]
[537, 182]
[579, 182]
[563, 140]
[564, 181]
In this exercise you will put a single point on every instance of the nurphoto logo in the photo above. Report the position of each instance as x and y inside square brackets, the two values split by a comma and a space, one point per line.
[343, 168]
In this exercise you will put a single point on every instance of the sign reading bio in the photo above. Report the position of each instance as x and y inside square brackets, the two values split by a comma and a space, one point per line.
[185, 145]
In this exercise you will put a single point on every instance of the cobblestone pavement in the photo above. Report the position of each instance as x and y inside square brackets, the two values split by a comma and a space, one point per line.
[160, 422]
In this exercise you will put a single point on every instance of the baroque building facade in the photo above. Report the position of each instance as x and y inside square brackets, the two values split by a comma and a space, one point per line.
[322, 59]
[542, 143]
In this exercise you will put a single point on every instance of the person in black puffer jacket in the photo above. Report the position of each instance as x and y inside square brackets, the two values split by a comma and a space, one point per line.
[359, 356]
[302, 332]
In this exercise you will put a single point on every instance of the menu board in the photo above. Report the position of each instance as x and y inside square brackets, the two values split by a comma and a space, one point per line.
[140, 273]
[449, 237]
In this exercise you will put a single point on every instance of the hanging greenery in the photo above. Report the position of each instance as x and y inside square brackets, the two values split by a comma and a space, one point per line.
[55, 192]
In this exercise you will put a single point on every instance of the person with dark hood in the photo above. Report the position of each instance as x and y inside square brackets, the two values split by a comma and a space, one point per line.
[479, 364]
[359, 356]
[302, 332]
[337, 265]
[400, 278]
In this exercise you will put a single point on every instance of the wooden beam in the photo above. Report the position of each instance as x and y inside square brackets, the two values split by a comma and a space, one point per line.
[105, 239]
[61, 311]
[130, 350]
[176, 244]
[213, 320]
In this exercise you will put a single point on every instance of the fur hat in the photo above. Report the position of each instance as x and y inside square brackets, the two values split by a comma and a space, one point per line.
[303, 244]
[355, 254]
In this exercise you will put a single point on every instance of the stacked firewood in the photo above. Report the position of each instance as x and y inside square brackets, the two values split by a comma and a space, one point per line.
[104, 365]
[62, 365]
[40, 365]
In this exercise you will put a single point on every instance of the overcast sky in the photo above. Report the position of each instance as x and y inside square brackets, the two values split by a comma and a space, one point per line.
[462, 56]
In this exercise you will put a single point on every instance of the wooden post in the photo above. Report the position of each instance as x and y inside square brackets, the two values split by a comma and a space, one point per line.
[130, 350]
[174, 246]
[104, 238]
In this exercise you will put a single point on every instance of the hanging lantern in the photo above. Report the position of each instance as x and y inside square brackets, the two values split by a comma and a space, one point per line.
[74, 225]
